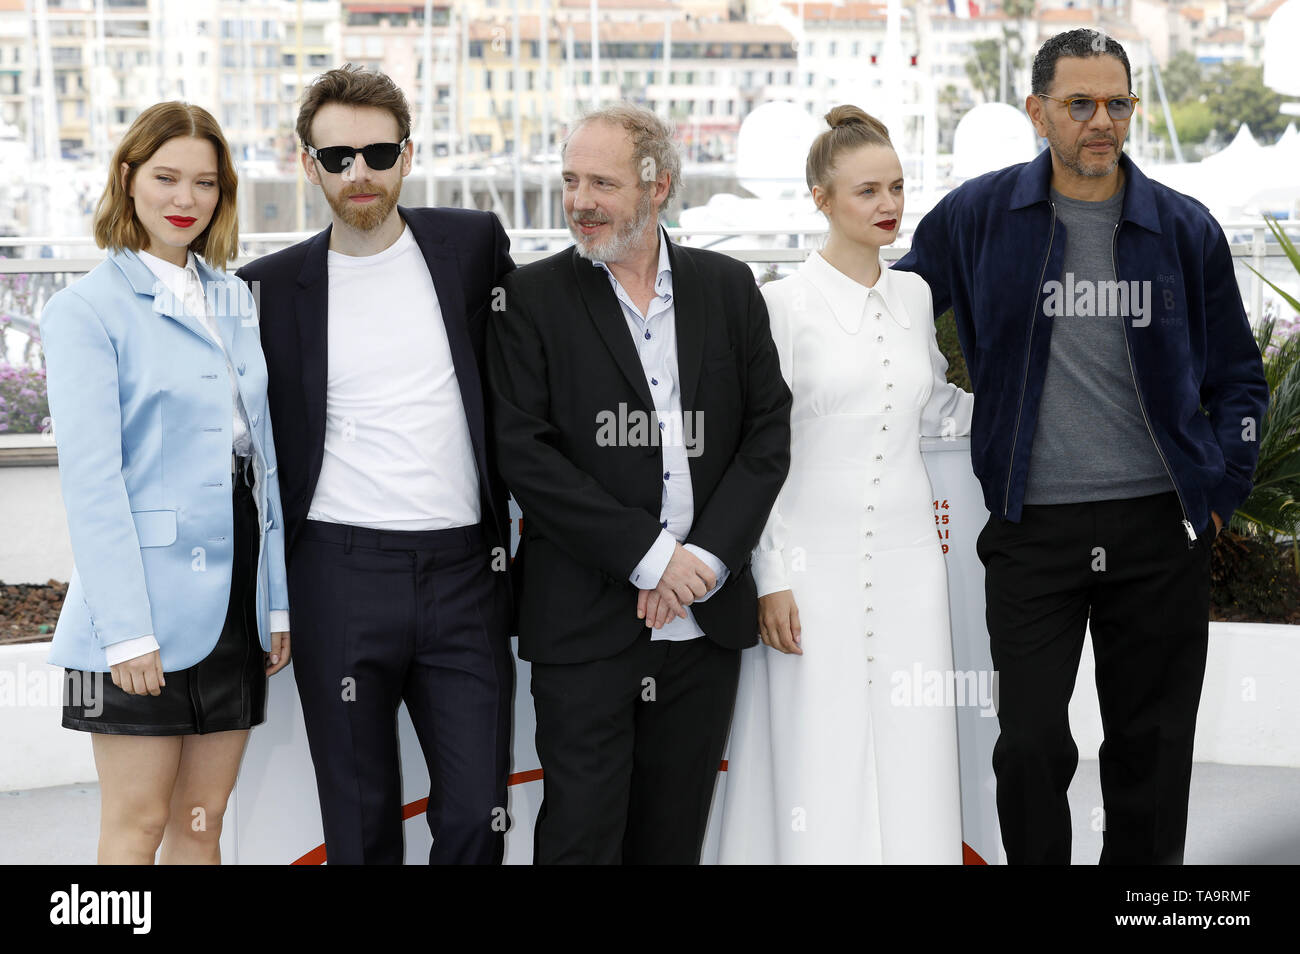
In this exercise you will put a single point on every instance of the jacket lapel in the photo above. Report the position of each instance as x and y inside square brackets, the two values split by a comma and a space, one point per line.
[311, 308]
[224, 302]
[444, 267]
[689, 316]
[144, 282]
[607, 315]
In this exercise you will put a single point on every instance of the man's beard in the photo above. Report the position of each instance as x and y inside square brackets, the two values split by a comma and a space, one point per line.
[1074, 161]
[365, 218]
[616, 248]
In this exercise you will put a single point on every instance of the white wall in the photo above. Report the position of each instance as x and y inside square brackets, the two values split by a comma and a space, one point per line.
[34, 545]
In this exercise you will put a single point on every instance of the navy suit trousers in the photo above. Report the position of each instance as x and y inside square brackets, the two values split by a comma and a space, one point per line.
[385, 617]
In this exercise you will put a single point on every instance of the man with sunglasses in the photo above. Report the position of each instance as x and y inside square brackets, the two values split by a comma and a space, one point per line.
[1118, 396]
[395, 515]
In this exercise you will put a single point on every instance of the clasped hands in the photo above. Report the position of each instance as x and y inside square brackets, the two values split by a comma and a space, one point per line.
[684, 580]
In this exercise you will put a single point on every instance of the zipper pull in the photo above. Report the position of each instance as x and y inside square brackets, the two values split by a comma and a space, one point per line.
[1191, 534]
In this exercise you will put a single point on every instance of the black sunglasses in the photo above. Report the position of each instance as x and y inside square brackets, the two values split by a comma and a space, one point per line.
[379, 155]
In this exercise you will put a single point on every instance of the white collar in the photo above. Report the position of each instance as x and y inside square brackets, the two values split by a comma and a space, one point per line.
[173, 276]
[848, 298]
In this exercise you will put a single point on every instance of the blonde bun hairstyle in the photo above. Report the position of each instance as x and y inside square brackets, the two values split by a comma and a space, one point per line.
[850, 128]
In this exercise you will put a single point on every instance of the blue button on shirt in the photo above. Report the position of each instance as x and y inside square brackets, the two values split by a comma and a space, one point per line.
[655, 337]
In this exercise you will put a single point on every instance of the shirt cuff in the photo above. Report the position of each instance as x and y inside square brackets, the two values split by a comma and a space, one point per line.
[279, 621]
[130, 649]
[647, 573]
[717, 566]
[768, 567]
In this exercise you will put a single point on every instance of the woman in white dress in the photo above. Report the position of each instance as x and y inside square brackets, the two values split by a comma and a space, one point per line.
[825, 762]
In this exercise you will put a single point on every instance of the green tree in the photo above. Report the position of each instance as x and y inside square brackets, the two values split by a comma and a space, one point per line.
[1184, 78]
[1192, 119]
[982, 68]
[1236, 94]
[985, 67]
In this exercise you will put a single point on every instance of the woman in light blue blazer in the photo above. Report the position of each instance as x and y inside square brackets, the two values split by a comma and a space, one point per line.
[157, 390]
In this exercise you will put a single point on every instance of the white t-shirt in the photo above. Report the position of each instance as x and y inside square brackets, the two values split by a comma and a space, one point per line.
[398, 454]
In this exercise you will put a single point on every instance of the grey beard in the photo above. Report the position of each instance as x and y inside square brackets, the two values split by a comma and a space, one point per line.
[614, 249]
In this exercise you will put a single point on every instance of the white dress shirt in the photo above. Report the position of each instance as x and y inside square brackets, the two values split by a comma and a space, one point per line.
[186, 287]
[655, 337]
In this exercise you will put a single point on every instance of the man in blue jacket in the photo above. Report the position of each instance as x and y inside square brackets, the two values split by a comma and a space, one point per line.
[1118, 395]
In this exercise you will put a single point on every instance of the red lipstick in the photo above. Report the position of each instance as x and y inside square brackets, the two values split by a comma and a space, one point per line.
[888, 225]
[181, 221]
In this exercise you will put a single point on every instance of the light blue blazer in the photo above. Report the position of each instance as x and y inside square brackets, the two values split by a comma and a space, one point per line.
[142, 414]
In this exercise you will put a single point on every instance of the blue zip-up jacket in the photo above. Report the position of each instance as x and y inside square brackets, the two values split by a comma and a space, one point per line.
[991, 250]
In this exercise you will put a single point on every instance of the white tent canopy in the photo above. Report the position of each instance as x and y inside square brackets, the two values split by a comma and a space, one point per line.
[1241, 180]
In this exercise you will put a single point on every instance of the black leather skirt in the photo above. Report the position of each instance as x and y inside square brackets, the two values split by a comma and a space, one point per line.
[225, 690]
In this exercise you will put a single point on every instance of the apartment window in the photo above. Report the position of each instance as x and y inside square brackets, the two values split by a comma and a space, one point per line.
[830, 48]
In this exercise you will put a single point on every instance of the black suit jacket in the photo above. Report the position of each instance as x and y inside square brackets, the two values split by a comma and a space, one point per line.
[468, 254]
[560, 359]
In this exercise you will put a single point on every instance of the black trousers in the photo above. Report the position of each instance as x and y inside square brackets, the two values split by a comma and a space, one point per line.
[1126, 565]
[384, 617]
[630, 748]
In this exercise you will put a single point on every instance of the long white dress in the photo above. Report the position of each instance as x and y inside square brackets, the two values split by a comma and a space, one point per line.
[825, 762]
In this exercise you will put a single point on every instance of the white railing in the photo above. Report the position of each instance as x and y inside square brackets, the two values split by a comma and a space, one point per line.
[1257, 251]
